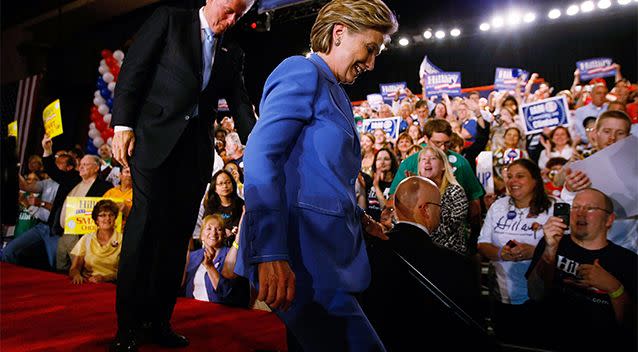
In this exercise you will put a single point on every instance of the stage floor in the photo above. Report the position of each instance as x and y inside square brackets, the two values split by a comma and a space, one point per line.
[43, 311]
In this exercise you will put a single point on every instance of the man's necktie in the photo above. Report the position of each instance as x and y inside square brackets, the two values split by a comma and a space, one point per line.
[207, 49]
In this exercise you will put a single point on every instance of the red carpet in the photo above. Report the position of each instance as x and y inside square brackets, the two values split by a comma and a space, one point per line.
[42, 311]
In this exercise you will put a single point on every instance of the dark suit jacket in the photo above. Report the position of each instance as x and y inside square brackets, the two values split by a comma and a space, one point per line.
[67, 181]
[402, 311]
[160, 82]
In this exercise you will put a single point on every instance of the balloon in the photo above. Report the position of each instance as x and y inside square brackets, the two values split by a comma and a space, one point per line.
[98, 101]
[110, 61]
[118, 55]
[111, 86]
[100, 83]
[106, 53]
[103, 109]
[109, 103]
[98, 141]
[106, 93]
[102, 62]
[107, 118]
[109, 141]
[97, 93]
[108, 77]
[94, 133]
[92, 126]
[103, 69]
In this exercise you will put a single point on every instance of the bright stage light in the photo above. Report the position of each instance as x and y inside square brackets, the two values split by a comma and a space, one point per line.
[427, 34]
[455, 32]
[587, 6]
[529, 17]
[484, 27]
[439, 34]
[404, 41]
[498, 22]
[572, 10]
[604, 4]
[514, 18]
[623, 2]
[554, 14]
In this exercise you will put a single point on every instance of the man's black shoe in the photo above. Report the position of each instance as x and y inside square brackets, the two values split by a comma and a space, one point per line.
[125, 341]
[163, 335]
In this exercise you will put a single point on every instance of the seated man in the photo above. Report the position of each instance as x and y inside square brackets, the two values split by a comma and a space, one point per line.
[398, 306]
[587, 282]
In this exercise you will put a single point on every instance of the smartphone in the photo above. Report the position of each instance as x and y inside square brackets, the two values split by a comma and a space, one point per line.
[511, 244]
[561, 210]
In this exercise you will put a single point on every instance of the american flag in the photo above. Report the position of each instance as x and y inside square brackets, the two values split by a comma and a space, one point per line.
[18, 104]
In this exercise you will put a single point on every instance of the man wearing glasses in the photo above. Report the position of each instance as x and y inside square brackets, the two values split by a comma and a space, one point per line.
[584, 280]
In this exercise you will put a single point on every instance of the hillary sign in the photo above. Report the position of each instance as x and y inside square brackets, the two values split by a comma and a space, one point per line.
[443, 83]
[595, 68]
[389, 125]
[390, 90]
[545, 113]
[506, 78]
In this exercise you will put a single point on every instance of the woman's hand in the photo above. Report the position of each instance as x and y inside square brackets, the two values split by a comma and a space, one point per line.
[522, 251]
[97, 278]
[77, 279]
[209, 256]
[378, 176]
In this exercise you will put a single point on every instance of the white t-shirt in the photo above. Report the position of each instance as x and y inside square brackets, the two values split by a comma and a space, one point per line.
[505, 222]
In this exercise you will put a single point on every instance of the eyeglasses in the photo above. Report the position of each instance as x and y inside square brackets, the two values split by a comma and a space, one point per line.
[588, 209]
[590, 129]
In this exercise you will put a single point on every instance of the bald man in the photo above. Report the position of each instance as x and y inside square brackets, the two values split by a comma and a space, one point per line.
[395, 299]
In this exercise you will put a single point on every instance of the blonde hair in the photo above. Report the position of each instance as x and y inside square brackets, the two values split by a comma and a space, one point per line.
[448, 177]
[207, 218]
[356, 15]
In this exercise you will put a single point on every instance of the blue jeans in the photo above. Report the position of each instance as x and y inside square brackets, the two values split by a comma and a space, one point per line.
[40, 232]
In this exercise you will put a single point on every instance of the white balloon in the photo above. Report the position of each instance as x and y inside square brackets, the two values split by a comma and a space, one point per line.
[111, 86]
[103, 109]
[98, 101]
[102, 62]
[102, 70]
[108, 77]
[105, 68]
[98, 141]
[92, 126]
[118, 55]
[109, 141]
[107, 118]
[97, 94]
[94, 134]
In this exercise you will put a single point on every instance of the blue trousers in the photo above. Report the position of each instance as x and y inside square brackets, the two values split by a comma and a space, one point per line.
[328, 321]
[40, 232]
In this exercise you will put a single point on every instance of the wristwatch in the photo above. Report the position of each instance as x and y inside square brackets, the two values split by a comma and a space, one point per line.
[43, 204]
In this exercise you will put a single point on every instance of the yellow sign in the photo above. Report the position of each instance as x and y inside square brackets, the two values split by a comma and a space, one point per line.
[13, 129]
[78, 220]
[52, 117]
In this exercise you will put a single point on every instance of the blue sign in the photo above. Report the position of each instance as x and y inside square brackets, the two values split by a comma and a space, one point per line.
[390, 90]
[549, 112]
[428, 68]
[595, 68]
[390, 125]
[444, 82]
[506, 78]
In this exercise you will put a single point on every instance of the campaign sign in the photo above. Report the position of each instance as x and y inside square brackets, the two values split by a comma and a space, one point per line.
[549, 112]
[390, 125]
[52, 117]
[506, 78]
[390, 90]
[78, 220]
[485, 171]
[443, 83]
[595, 68]
[427, 67]
[13, 129]
[375, 101]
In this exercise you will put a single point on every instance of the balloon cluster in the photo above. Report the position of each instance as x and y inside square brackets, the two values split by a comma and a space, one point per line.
[100, 130]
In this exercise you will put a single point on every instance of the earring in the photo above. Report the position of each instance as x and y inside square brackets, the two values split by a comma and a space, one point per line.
[338, 42]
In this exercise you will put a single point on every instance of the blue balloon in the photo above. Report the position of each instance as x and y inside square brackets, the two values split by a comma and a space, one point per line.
[106, 93]
[109, 102]
[90, 148]
[100, 83]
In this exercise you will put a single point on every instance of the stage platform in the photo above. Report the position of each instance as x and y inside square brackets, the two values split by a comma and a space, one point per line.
[43, 311]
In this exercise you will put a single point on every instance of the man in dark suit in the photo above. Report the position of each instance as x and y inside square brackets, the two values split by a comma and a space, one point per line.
[402, 310]
[165, 104]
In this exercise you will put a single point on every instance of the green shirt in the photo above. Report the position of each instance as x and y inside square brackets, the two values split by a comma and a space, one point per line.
[462, 171]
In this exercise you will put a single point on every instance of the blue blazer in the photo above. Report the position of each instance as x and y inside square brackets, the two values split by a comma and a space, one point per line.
[301, 165]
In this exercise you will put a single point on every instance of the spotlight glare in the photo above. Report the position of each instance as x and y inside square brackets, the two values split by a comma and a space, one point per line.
[439, 34]
[587, 6]
[427, 34]
[554, 14]
[484, 27]
[455, 32]
[404, 41]
[604, 4]
[529, 17]
[498, 22]
[623, 2]
[514, 18]
[572, 10]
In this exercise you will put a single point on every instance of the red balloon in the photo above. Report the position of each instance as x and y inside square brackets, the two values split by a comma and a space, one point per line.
[110, 61]
[106, 53]
[100, 125]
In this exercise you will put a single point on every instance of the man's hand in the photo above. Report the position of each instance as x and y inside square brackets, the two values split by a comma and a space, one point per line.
[594, 275]
[276, 284]
[123, 145]
[553, 231]
[47, 145]
[576, 181]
